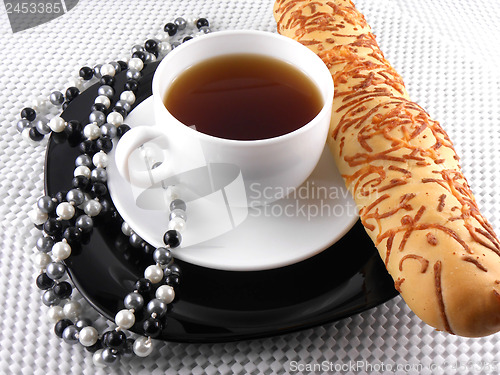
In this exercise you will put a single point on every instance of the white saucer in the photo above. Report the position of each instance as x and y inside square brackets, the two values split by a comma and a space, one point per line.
[290, 230]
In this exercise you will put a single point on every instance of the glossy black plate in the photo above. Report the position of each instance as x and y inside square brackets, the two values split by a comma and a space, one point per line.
[215, 305]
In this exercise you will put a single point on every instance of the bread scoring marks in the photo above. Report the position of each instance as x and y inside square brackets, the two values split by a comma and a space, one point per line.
[397, 284]
[439, 295]
[423, 262]
[475, 262]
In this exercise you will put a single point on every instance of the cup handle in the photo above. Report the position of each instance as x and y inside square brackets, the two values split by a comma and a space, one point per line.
[131, 141]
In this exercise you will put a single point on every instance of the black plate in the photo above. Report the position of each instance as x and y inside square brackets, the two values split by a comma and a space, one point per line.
[215, 305]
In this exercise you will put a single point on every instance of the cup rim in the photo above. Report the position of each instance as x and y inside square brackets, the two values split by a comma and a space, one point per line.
[327, 105]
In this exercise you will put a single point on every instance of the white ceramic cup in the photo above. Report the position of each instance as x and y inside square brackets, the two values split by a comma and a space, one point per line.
[268, 166]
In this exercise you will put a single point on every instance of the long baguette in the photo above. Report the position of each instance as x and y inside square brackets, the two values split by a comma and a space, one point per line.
[404, 175]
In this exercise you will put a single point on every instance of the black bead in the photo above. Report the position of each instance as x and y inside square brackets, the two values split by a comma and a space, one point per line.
[99, 189]
[140, 55]
[131, 85]
[80, 182]
[122, 129]
[98, 107]
[114, 339]
[35, 135]
[61, 325]
[52, 227]
[88, 147]
[73, 128]
[105, 144]
[143, 286]
[170, 28]
[95, 347]
[178, 204]
[173, 280]
[107, 80]
[123, 65]
[121, 111]
[63, 289]
[28, 113]
[147, 248]
[44, 282]
[73, 235]
[173, 269]
[61, 196]
[172, 238]
[152, 327]
[202, 22]
[71, 93]
[189, 37]
[86, 73]
[106, 207]
[65, 105]
[151, 45]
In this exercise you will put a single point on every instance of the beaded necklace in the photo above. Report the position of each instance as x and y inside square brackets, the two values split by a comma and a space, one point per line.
[68, 217]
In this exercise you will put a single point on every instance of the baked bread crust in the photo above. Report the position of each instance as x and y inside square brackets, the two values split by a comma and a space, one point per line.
[404, 174]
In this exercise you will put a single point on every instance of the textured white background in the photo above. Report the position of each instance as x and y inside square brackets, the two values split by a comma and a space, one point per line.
[447, 52]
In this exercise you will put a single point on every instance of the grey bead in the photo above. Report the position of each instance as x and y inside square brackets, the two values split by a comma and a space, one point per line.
[49, 298]
[42, 125]
[149, 58]
[82, 323]
[133, 301]
[44, 244]
[175, 44]
[181, 23]
[162, 256]
[99, 175]
[23, 124]
[108, 130]
[84, 160]
[97, 71]
[117, 66]
[46, 204]
[205, 29]
[178, 213]
[70, 334]
[128, 350]
[157, 306]
[56, 98]
[133, 74]
[85, 223]
[106, 90]
[110, 356]
[178, 204]
[135, 240]
[97, 117]
[75, 195]
[55, 270]
[123, 104]
[137, 48]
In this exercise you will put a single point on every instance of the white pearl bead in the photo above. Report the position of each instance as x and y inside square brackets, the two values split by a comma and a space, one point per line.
[164, 47]
[108, 70]
[42, 259]
[135, 63]
[38, 217]
[128, 96]
[126, 230]
[26, 134]
[115, 118]
[163, 37]
[61, 250]
[191, 21]
[92, 131]
[100, 160]
[92, 207]
[76, 82]
[72, 309]
[177, 223]
[104, 100]
[143, 346]
[55, 313]
[65, 210]
[97, 358]
[166, 293]
[172, 193]
[39, 104]
[125, 319]
[153, 273]
[88, 336]
[82, 170]
[57, 124]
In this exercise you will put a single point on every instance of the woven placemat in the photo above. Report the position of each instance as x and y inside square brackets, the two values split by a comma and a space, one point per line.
[447, 53]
